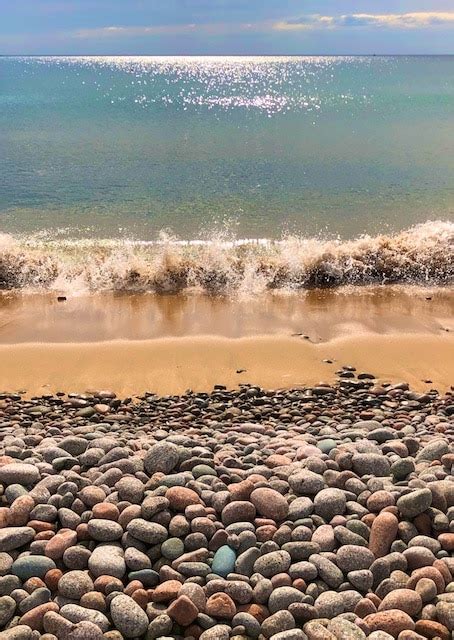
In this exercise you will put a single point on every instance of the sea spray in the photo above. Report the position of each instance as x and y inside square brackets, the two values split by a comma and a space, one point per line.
[423, 254]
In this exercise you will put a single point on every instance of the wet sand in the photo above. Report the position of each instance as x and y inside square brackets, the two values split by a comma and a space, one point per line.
[173, 365]
[167, 344]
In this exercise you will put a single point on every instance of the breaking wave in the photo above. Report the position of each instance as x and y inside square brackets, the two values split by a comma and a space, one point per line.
[423, 254]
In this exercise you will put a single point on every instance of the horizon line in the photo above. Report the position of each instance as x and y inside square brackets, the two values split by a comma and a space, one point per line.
[225, 55]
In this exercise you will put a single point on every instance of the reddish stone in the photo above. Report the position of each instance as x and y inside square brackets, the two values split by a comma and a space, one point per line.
[220, 605]
[442, 567]
[427, 572]
[265, 533]
[447, 541]
[19, 511]
[33, 583]
[270, 503]
[259, 611]
[166, 591]
[51, 579]
[432, 629]
[365, 607]
[4, 517]
[183, 611]
[34, 617]
[380, 500]
[92, 600]
[39, 525]
[181, 497]
[57, 546]
[299, 584]
[141, 597]
[132, 586]
[403, 599]
[107, 584]
[281, 580]
[424, 524]
[374, 598]
[277, 460]
[106, 511]
[82, 532]
[383, 533]
[241, 490]
[128, 514]
[193, 631]
[45, 535]
[392, 622]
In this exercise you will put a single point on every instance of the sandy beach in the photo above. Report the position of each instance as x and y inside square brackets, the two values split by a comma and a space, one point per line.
[167, 344]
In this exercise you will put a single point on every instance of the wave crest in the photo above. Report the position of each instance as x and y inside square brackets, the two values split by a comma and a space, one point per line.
[422, 254]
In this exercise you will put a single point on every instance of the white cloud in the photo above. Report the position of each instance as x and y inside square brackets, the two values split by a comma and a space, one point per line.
[157, 30]
[417, 20]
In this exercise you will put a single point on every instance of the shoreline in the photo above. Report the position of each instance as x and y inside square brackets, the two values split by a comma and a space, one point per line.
[170, 366]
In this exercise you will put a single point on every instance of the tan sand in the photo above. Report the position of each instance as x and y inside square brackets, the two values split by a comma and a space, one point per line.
[172, 365]
[167, 344]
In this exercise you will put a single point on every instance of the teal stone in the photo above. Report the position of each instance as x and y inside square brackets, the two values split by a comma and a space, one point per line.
[203, 470]
[327, 445]
[175, 480]
[32, 567]
[224, 561]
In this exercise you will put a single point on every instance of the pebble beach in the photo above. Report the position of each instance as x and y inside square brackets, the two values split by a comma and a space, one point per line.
[317, 513]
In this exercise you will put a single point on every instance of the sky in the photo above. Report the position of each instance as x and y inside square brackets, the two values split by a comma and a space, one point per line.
[221, 27]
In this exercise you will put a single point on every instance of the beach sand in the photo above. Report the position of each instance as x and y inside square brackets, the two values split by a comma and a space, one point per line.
[167, 344]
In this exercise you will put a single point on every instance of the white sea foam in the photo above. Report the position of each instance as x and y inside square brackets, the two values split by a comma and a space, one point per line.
[423, 254]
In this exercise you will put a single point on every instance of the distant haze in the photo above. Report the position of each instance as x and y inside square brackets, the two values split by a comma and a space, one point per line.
[212, 27]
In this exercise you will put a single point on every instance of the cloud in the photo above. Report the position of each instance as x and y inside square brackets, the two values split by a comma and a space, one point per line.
[417, 20]
[158, 30]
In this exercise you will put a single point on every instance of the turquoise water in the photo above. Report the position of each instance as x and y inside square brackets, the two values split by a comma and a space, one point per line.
[257, 147]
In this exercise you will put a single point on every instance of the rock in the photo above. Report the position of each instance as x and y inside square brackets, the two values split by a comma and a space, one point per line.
[414, 503]
[15, 537]
[27, 567]
[224, 561]
[371, 464]
[85, 630]
[107, 560]
[383, 533]
[128, 617]
[403, 599]
[280, 621]
[392, 621]
[18, 473]
[181, 497]
[306, 483]
[7, 609]
[161, 457]
[272, 563]
[433, 451]
[270, 503]
[149, 532]
[183, 611]
[329, 604]
[343, 629]
[74, 584]
[75, 613]
[104, 530]
[220, 605]
[19, 632]
[445, 614]
[352, 558]
[282, 597]
[329, 503]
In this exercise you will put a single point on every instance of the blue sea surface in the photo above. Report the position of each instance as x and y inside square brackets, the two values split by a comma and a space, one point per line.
[113, 147]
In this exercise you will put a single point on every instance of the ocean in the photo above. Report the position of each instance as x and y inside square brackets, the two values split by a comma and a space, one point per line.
[225, 173]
